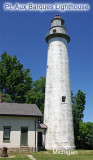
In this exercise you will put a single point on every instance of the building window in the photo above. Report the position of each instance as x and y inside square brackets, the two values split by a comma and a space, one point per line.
[6, 136]
[54, 31]
[63, 98]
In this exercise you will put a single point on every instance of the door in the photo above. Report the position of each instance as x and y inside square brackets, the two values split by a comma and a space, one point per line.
[39, 139]
[24, 136]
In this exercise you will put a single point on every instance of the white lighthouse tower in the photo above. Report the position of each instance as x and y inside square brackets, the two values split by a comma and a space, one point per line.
[58, 106]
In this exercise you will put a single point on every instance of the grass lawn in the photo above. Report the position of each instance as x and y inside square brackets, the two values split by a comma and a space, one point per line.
[81, 155]
[17, 157]
[48, 155]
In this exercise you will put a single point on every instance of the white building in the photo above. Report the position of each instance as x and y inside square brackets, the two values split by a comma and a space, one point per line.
[19, 129]
[58, 105]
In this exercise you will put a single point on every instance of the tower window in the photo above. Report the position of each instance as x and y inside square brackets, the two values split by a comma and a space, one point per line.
[63, 98]
[62, 22]
[54, 31]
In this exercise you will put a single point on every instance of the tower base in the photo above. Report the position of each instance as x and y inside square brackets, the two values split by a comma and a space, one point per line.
[60, 146]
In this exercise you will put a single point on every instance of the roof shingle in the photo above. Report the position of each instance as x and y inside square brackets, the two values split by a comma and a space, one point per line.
[18, 109]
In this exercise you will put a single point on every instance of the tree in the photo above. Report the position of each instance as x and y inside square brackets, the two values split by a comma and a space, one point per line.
[89, 136]
[85, 137]
[37, 93]
[6, 97]
[83, 131]
[78, 106]
[14, 80]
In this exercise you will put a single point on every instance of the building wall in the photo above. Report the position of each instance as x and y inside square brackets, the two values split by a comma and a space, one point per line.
[15, 134]
[59, 29]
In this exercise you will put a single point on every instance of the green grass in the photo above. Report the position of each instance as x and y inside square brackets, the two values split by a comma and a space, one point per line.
[81, 155]
[18, 157]
[48, 155]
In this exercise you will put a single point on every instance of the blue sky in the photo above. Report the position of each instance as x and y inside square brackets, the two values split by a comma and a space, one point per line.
[23, 34]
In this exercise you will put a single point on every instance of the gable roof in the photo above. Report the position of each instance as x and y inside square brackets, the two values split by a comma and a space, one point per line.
[18, 109]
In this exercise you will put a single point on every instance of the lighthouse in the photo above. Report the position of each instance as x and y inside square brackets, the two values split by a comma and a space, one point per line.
[58, 106]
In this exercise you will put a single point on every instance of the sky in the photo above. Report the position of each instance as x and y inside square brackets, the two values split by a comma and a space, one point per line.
[23, 34]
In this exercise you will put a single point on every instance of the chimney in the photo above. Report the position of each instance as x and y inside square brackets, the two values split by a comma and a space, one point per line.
[0, 98]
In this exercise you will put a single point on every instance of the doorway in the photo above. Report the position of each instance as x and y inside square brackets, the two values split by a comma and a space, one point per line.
[39, 139]
[24, 136]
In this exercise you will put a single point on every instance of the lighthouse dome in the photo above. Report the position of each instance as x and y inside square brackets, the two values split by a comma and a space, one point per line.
[57, 25]
[57, 29]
